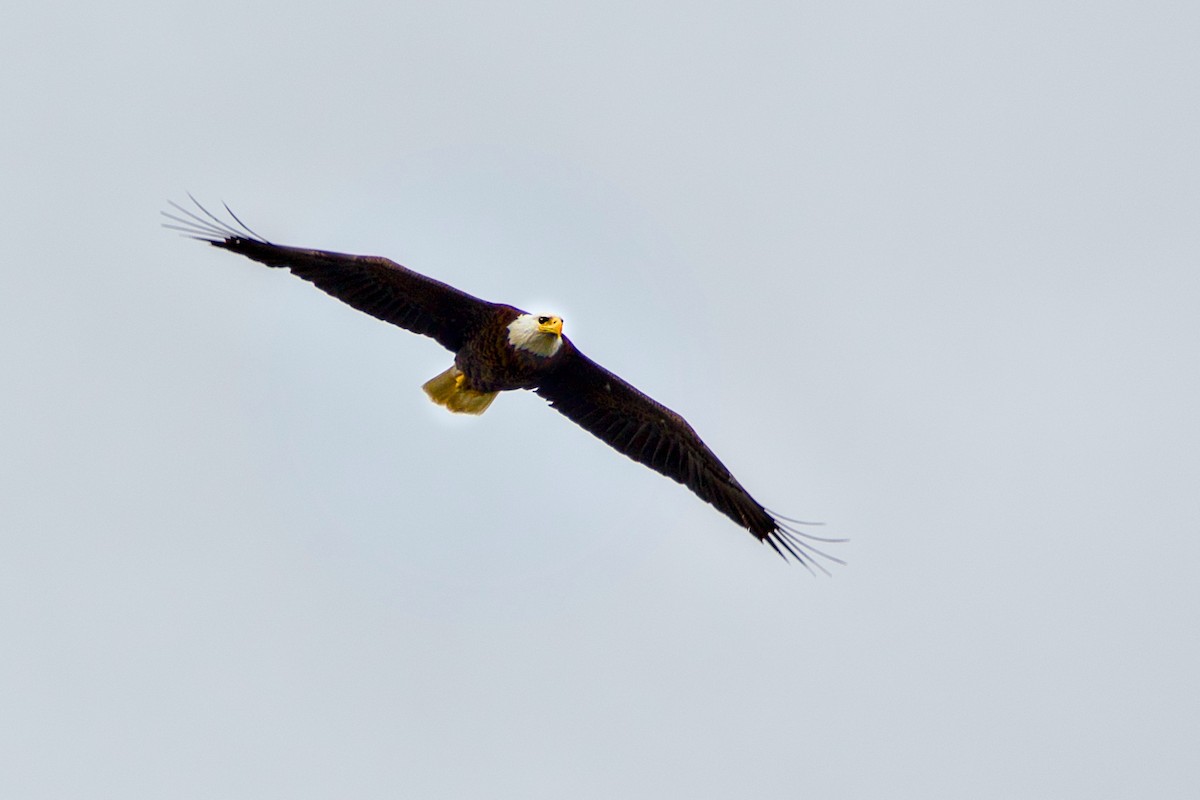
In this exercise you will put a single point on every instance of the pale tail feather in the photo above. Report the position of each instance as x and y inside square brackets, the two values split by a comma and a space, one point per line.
[446, 390]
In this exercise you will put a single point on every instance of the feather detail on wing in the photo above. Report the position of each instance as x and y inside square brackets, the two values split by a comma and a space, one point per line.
[652, 434]
[375, 285]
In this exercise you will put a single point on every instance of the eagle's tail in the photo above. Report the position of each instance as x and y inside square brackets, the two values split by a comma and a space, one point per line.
[447, 390]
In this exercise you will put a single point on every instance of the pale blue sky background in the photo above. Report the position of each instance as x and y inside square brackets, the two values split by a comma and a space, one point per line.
[925, 271]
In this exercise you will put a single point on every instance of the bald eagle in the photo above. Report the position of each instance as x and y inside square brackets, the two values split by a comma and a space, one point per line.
[498, 348]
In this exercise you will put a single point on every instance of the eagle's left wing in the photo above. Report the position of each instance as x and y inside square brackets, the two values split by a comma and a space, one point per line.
[652, 434]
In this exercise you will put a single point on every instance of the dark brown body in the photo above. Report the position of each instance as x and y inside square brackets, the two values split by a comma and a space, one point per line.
[490, 364]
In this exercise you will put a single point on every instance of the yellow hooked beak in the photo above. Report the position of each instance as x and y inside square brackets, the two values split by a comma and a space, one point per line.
[550, 325]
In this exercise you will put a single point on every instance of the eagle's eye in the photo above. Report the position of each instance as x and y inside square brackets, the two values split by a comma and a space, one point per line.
[543, 320]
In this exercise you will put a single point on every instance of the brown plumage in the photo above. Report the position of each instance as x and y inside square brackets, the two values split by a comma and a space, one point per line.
[498, 348]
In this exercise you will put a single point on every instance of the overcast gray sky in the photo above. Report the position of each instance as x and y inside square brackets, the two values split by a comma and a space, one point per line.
[927, 272]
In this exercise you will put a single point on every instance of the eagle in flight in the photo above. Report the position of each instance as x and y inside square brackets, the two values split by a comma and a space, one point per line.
[497, 348]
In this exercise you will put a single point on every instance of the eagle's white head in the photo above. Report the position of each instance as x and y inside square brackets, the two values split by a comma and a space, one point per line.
[540, 335]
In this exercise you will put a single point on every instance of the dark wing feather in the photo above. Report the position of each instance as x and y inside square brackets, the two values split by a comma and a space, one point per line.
[652, 434]
[376, 285]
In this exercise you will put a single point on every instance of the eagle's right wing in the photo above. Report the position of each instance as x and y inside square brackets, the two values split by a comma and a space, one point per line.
[373, 284]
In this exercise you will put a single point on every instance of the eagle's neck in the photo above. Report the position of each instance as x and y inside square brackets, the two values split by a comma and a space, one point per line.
[523, 334]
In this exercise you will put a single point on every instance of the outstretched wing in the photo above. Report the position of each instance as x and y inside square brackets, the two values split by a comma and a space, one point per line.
[652, 434]
[376, 285]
